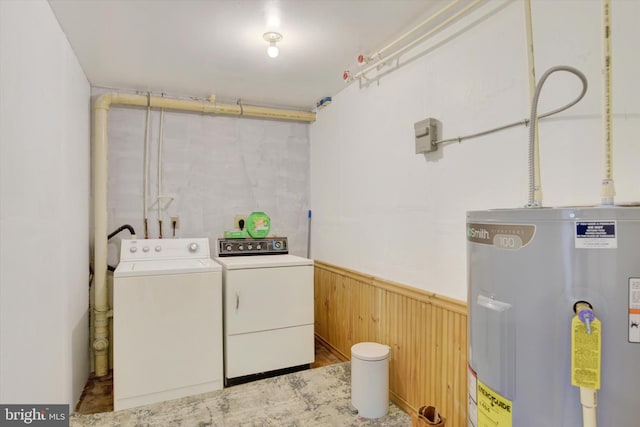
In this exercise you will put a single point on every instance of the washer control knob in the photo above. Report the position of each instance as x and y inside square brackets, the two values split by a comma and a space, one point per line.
[258, 246]
[133, 249]
[229, 247]
[240, 247]
[249, 246]
[158, 248]
[193, 247]
[145, 249]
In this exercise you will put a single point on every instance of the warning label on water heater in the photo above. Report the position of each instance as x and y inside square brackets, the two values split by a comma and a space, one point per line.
[493, 409]
[596, 235]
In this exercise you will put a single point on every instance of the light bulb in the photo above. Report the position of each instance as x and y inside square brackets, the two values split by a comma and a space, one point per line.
[272, 38]
[272, 50]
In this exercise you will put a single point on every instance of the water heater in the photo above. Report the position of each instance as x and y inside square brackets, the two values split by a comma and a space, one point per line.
[527, 270]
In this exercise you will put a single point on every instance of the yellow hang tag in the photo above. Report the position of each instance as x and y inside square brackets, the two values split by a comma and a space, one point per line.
[585, 353]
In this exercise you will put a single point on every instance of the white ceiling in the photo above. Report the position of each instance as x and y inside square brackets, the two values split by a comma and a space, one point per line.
[202, 47]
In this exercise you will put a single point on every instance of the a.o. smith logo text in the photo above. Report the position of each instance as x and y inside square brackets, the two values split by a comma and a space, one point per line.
[502, 236]
[477, 233]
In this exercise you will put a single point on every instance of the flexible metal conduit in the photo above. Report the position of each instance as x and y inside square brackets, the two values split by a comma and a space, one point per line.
[523, 122]
[100, 144]
[533, 120]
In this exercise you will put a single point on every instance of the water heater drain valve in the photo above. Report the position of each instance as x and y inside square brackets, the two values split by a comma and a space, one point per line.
[584, 310]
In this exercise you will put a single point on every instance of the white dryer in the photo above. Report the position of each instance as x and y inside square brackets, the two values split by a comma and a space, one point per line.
[167, 320]
[268, 308]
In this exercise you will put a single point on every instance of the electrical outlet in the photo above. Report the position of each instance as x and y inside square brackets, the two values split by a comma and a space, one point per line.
[237, 224]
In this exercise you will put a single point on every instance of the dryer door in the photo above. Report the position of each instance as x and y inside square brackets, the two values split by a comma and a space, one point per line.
[262, 299]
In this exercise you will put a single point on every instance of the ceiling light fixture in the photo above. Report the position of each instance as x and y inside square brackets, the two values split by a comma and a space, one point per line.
[272, 38]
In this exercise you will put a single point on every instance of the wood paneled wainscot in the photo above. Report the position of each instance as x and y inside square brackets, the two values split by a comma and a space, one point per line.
[427, 334]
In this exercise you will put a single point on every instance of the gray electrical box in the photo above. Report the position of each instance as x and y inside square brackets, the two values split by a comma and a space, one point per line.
[428, 131]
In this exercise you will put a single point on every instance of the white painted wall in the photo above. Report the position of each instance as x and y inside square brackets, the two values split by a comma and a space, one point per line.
[381, 209]
[44, 210]
[216, 167]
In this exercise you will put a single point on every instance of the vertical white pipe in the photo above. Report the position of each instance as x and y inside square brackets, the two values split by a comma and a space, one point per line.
[608, 191]
[589, 401]
[145, 190]
[537, 197]
[161, 139]
[101, 303]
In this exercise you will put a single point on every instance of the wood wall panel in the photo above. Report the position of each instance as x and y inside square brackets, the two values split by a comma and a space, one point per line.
[427, 334]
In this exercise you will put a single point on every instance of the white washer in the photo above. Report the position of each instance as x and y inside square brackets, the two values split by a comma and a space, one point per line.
[167, 320]
[268, 314]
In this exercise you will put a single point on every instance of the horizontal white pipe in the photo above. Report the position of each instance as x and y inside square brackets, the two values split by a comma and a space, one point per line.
[418, 40]
[414, 29]
[108, 99]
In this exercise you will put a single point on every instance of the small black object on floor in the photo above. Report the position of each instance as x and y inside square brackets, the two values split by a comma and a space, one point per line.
[229, 382]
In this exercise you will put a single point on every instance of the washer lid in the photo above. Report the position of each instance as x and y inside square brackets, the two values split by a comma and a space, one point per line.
[169, 266]
[261, 261]
[370, 351]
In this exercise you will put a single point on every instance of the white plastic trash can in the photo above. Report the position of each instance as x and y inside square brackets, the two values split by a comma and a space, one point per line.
[370, 379]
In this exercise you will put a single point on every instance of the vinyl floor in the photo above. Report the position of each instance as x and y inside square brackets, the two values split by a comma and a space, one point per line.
[97, 395]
